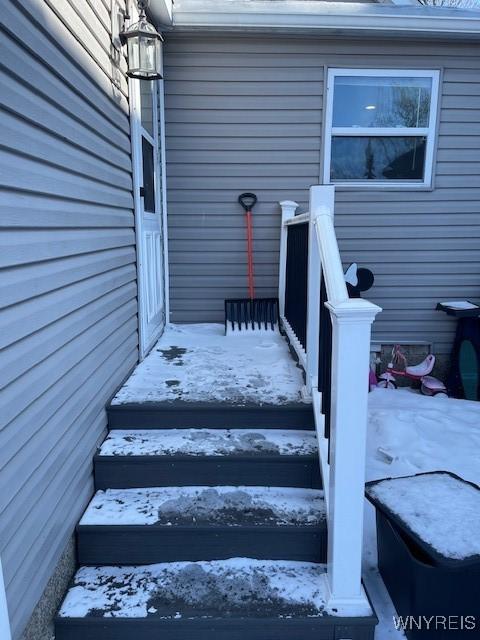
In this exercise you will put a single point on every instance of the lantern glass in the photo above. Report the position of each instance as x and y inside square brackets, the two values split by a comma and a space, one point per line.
[133, 48]
[148, 56]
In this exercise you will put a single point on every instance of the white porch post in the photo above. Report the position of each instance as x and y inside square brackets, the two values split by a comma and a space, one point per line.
[288, 211]
[5, 633]
[322, 201]
[351, 328]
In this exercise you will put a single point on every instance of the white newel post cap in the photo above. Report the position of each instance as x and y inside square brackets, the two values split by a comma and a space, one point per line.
[354, 310]
[288, 208]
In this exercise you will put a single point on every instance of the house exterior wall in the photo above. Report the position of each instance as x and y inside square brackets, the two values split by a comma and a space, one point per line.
[246, 114]
[68, 327]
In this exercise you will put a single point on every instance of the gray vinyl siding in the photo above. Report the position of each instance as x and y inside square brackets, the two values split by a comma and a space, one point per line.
[246, 113]
[68, 327]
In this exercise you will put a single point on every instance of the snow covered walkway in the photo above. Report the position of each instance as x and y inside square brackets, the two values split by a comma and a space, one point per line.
[198, 363]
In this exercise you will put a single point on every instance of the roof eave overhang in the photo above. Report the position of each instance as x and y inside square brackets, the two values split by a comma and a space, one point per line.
[323, 19]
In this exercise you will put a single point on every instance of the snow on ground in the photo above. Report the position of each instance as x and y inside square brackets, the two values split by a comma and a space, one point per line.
[212, 442]
[177, 589]
[198, 363]
[442, 510]
[206, 505]
[423, 434]
[420, 434]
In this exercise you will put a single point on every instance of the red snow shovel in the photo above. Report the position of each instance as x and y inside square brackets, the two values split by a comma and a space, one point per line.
[250, 314]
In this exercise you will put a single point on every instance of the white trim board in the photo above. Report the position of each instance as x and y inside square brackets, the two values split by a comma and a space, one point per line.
[162, 12]
[163, 190]
[5, 632]
[328, 18]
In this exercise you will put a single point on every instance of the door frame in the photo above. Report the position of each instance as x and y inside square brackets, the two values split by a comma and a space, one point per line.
[163, 192]
[5, 631]
[161, 201]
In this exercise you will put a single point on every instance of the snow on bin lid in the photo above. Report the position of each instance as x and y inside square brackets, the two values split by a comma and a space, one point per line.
[439, 509]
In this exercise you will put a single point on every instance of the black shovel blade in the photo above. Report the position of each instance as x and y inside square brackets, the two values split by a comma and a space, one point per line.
[244, 314]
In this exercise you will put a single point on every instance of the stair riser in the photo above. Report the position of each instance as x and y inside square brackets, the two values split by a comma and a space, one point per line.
[111, 545]
[190, 415]
[113, 472]
[225, 629]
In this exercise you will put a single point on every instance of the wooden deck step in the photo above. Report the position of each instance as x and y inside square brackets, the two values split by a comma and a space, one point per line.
[213, 415]
[184, 457]
[143, 526]
[221, 600]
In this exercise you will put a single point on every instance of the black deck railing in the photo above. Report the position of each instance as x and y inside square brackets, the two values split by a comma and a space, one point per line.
[296, 309]
[325, 357]
[296, 280]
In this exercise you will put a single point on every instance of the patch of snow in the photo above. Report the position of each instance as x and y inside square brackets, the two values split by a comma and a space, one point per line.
[211, 442]
[459, 305]
[198, 363]
[238, 586]
[420, 433]
[248, 331]
[443, 511]
[385, 629]
[212, 505]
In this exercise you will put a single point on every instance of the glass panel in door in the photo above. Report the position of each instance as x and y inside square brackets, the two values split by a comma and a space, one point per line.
[148, 157]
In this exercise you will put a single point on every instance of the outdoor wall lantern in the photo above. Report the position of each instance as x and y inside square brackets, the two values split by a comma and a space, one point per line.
[144, 47]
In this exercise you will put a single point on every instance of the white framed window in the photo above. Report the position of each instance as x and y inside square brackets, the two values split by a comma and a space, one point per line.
[380, 127]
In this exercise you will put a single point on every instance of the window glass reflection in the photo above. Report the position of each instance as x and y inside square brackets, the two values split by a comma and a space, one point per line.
[381, 102]
[378, 158]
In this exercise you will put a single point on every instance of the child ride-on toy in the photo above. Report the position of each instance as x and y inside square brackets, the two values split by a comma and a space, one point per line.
[429, 385]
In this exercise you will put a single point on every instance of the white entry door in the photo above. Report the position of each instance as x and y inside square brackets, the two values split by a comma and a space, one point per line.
[149, 209]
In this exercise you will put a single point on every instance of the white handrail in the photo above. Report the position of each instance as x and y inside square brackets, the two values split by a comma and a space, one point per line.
[330, 258]
[322, 201]
[301, 218]
[342, 457]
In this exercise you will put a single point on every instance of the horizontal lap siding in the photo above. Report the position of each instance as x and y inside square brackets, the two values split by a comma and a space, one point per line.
[236, 121]
[246, 114]
[68, 327]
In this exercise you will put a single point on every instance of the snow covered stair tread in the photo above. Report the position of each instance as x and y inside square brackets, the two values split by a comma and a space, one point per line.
[220, 505]
[257, 369]
[441, 509]
[186, 457]
[233, 588]
[211, 442]
[146, 525]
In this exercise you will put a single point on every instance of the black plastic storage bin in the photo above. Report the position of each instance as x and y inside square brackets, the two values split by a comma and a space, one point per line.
[423, 584]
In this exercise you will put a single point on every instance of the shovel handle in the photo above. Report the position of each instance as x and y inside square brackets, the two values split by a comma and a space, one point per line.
[247, 200]
[251, 280]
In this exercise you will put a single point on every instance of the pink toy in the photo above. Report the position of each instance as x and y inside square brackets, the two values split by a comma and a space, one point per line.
[430, 386]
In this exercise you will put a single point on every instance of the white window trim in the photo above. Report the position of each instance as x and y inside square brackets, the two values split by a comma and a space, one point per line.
[429, 132]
